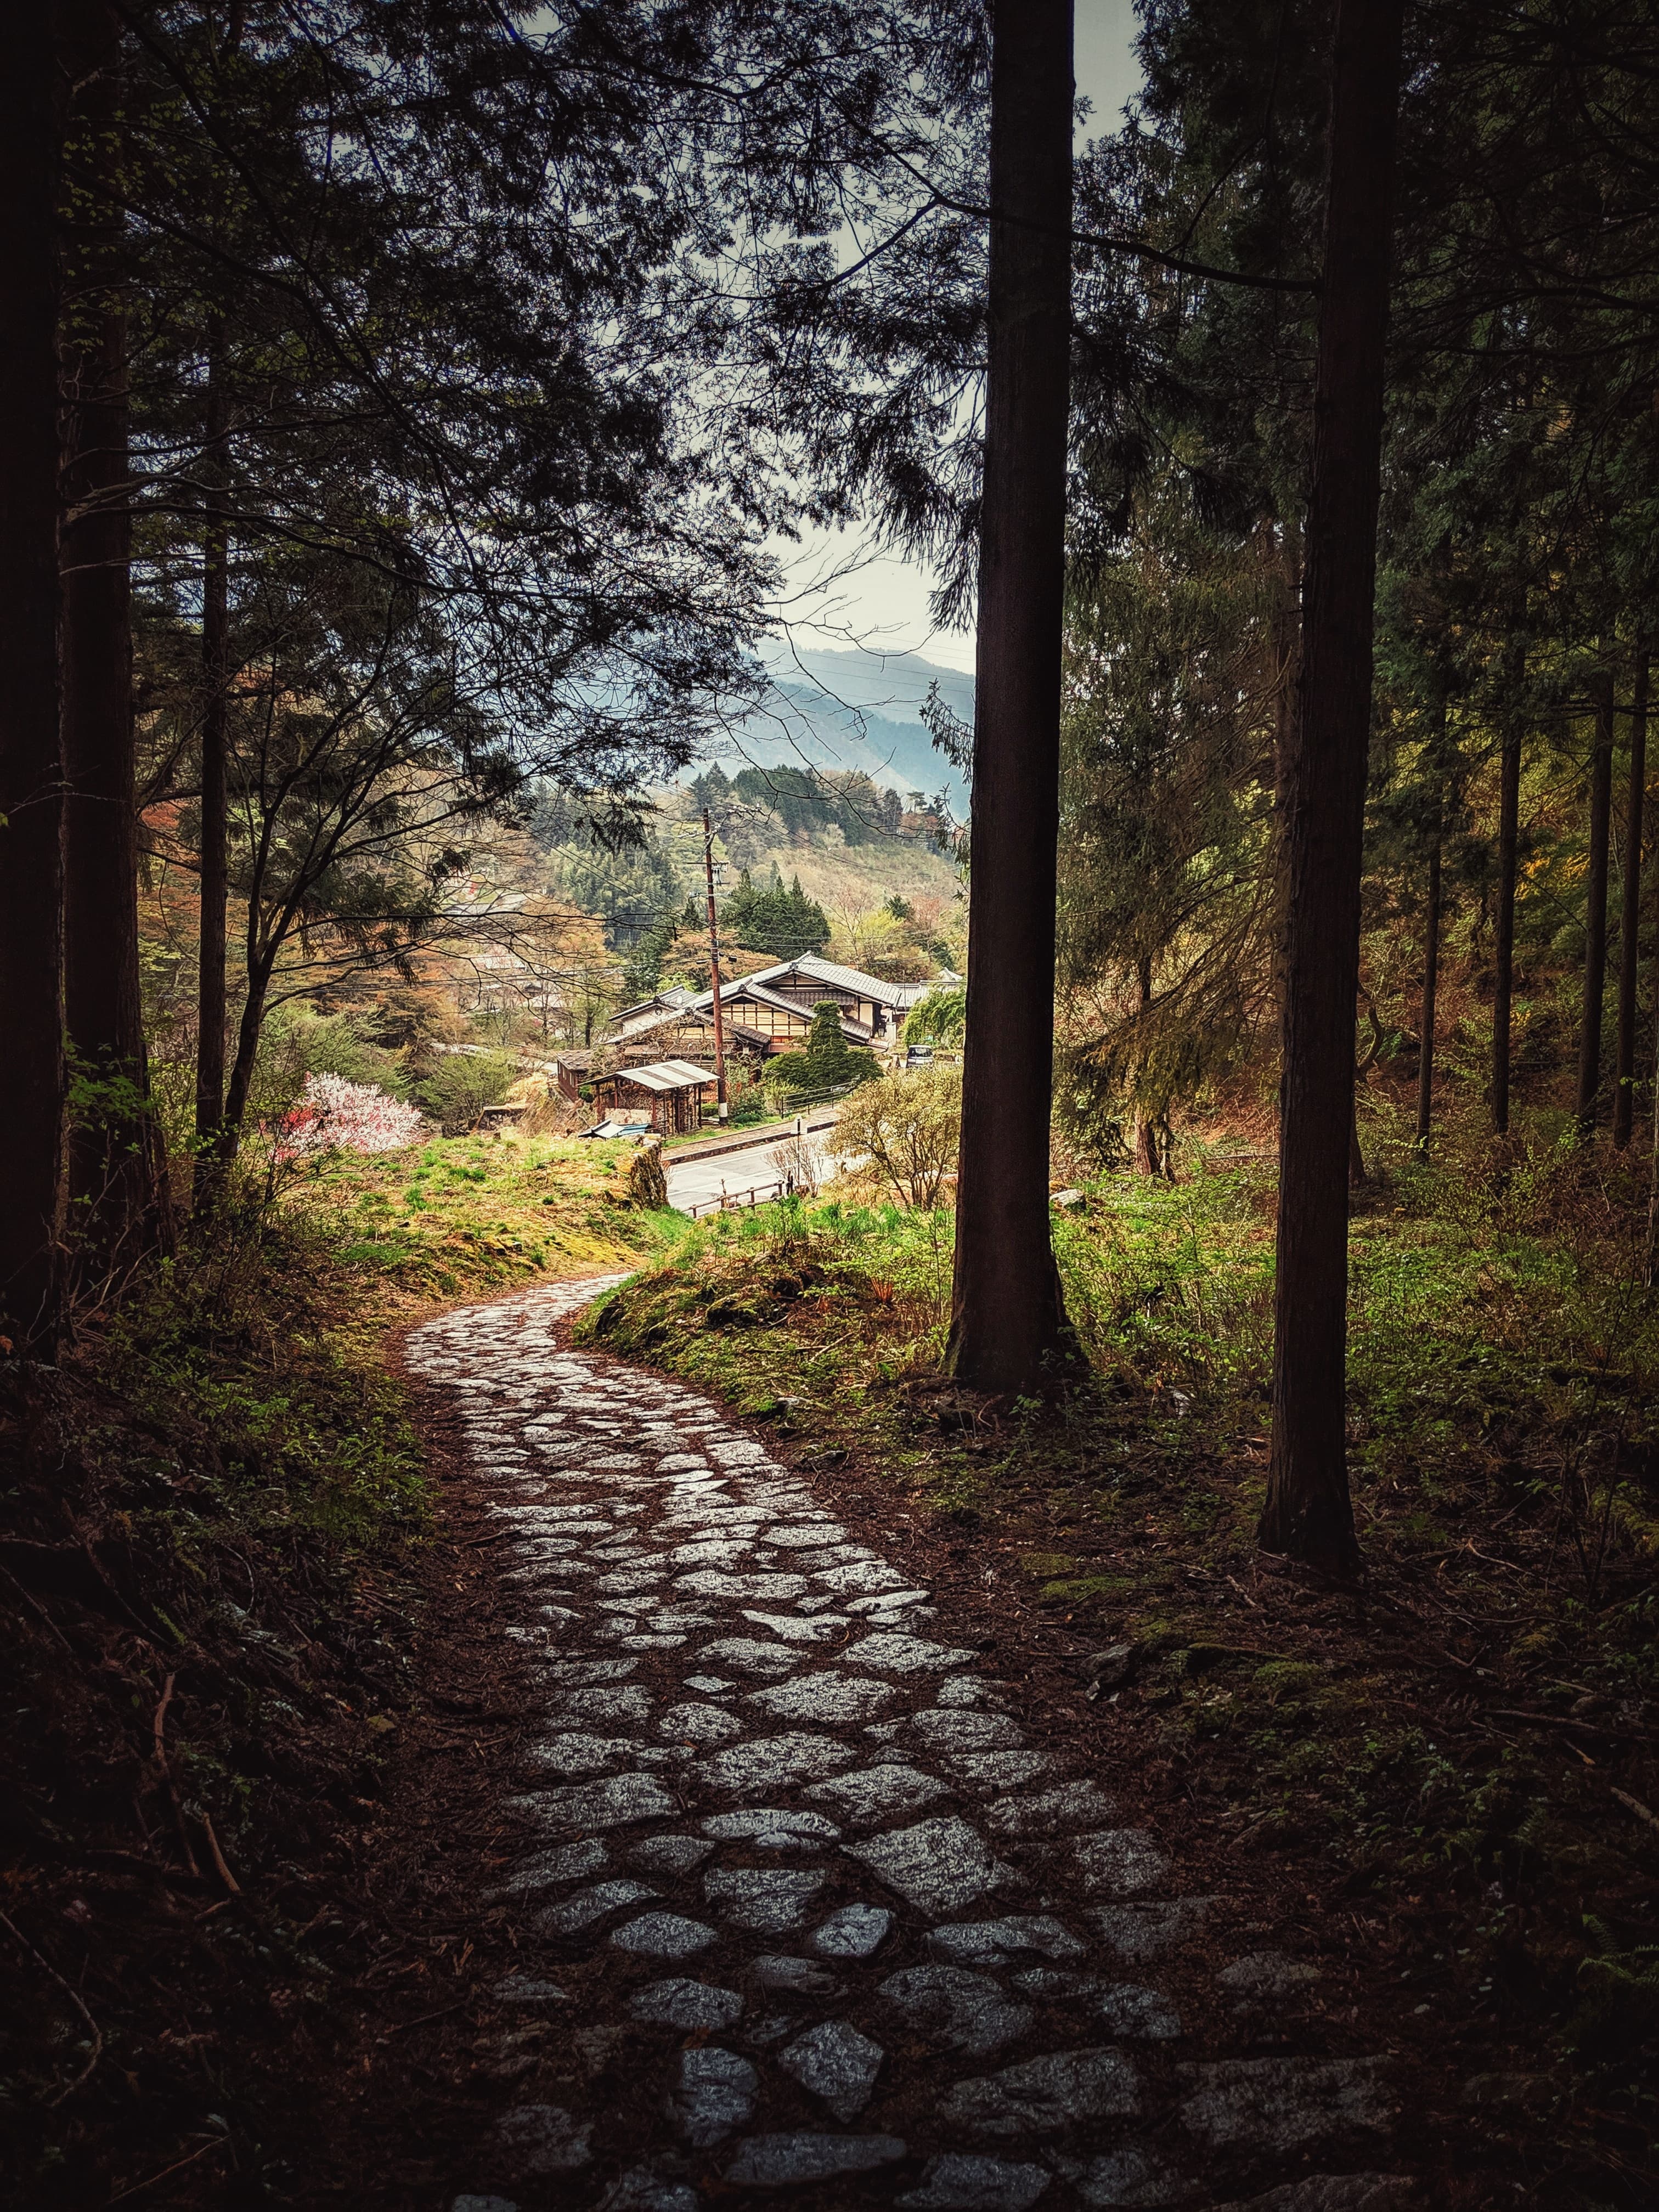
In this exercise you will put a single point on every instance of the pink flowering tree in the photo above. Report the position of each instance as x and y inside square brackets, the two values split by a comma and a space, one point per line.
[335, 1116]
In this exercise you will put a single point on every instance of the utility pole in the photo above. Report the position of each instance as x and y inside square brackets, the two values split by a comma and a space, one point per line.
[721, 1113]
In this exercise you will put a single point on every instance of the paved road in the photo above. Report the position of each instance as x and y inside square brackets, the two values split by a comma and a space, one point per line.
[754, 1171]
[796, 1879]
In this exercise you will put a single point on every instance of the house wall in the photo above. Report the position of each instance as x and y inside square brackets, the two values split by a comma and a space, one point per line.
[874, 1016]
[771, 1021]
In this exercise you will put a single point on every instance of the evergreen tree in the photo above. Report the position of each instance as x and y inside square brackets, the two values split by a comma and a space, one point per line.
[825, 1063]
[31, 759]
[785, 923]
[1005, 1313]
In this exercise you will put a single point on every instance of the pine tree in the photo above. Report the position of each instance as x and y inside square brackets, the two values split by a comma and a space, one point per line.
[1005, 1311]
[31, 757]
[117, 1189]
[1307, 1512]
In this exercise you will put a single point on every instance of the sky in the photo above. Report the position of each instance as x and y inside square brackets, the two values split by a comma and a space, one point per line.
[841, 590]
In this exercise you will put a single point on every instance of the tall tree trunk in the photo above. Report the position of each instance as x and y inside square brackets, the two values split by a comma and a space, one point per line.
[241, 1066]
[1146, 1161]
[1596, 916]
[31, 754]
[1286, 643]
[1308, 1513]
[1509, 833]
[1630, 920]
[215, 821]
[1431, 985]
[115, 1172]
[1007, 1313]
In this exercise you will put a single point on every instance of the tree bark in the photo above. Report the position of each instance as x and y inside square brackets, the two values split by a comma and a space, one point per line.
[1144, 1140]
[1286, 644]
[1596, 915]
[241, 1066]
[1007, 1315]
[215, 820]
[115, 1169]
[31, 755]
[1308, 1513]
[1630, 920]
[1431, 985]
[1508, 830]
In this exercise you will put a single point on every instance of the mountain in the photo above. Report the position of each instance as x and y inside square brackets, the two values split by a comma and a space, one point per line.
[834, 710]
[883, 682]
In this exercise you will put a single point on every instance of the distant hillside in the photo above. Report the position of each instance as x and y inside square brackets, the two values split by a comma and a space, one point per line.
[853, 710]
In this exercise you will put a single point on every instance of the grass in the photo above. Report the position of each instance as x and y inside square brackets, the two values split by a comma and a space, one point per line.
[471, 1213]
[1459, 1750]
[269, 1335]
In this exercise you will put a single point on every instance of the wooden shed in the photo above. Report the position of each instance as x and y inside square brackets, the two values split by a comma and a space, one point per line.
[669, 1091]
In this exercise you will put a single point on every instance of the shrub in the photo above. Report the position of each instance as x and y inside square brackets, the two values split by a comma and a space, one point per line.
[939, 1017]
[335, 1116]
[462, 1084]
[910, 1125]
[299, 1042]
[827, 1063]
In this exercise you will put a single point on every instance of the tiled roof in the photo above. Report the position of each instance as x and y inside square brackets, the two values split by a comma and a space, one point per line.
[675, 996]
[705, 1005]
[901, 997]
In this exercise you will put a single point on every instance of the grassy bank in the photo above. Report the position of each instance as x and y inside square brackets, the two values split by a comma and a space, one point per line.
[467, 1213]
[1463, 1751]
[216, 1510]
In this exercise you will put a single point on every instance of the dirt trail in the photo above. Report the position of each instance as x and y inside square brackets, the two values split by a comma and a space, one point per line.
[802, 1891]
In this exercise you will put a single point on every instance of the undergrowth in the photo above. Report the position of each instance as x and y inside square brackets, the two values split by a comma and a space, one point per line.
[1468, 1749]
[479, 1212]
[211, 1511]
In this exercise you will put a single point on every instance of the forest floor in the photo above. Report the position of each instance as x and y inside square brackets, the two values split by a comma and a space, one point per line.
[1456, 1766]
[260, 1597]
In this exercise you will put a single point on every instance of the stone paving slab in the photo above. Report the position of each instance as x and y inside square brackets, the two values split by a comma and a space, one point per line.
[818, 1919]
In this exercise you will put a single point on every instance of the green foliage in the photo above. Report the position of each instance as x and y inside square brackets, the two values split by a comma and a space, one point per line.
[299, 1041]
[643, 971]
[1173, 678]
[462, 1084]
[939, 1017]
[784, 922]
[805, 802]
[488, 1211]
[253, 1341]
[1619, 1986]
[826, 1063]
[630, 888]
[910, 1128]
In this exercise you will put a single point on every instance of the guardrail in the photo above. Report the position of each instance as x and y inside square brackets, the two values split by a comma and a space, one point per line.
[759, 1194]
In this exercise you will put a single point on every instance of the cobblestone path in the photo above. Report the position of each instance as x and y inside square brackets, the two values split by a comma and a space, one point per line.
[822, 1924]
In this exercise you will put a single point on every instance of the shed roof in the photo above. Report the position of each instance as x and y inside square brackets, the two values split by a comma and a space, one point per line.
[663, 1075]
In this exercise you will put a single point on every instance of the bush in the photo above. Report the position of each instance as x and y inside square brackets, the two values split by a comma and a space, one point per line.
[299, 1042]
[827, 1063]
[335, 1116]
[939, 1017]
[462, 1084]
[910, 1125]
